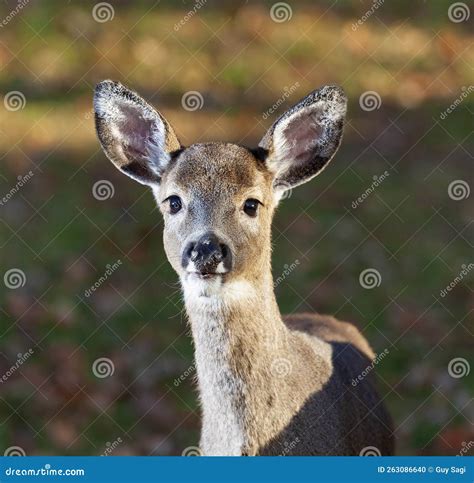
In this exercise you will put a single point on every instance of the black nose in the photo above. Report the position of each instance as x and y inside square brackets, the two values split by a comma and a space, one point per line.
[206, 254]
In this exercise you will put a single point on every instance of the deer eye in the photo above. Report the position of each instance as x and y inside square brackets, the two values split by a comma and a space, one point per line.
[251, 207]
[175, 204]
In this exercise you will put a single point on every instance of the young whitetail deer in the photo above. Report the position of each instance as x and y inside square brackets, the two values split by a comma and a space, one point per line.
[268, 385]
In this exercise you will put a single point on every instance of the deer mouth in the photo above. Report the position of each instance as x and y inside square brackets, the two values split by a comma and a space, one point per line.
[208, 275]
[205, 275]
[206, 271]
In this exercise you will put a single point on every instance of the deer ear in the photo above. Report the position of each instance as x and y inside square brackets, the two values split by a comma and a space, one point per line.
[133, 135]
[303, 140]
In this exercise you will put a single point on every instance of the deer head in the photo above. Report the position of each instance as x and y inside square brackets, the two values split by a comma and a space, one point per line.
[218, 199]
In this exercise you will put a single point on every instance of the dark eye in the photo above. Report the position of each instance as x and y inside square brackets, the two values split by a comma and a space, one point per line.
[175, 204]
[251, 207]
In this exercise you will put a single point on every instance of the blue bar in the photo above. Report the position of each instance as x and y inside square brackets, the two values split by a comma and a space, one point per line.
[135, 469]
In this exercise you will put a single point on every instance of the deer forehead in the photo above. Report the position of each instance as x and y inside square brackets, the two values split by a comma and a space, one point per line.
[216, 170]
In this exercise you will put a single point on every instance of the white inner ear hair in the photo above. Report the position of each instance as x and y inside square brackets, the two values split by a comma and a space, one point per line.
[134, 126]
[155, 148]
[296, 137]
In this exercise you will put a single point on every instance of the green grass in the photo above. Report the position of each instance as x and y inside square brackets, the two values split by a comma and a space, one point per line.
[53, 229]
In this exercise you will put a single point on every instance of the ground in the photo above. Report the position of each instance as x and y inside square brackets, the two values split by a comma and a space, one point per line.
[376, 239]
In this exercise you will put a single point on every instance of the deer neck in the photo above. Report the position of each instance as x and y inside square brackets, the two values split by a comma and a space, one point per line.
[235, 329]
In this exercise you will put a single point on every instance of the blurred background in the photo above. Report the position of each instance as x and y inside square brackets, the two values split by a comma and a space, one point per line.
[95, 354]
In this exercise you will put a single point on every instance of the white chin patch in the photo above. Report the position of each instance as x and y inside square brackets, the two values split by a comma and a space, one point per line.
[196, 287]
[214, 291]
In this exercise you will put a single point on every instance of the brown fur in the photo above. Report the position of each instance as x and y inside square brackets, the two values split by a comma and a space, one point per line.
[267, 385]
[329, 329]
